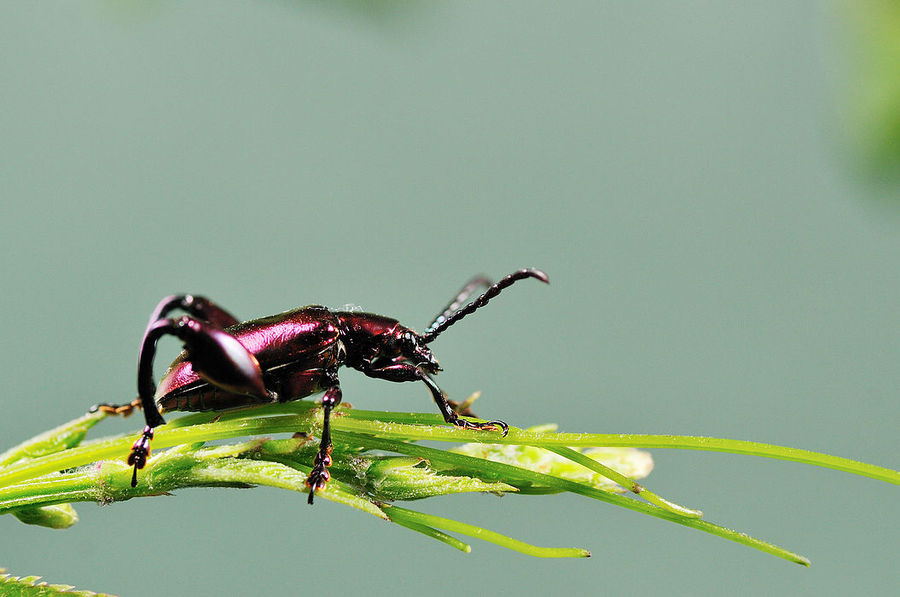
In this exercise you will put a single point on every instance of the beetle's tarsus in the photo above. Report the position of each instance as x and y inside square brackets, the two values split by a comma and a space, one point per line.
[123, 410]
[319, 476]
[140, 451]
[489, 426]
[317, 480]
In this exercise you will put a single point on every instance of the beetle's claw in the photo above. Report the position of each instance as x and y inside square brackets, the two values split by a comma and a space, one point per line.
[489, 426]
[504, 428]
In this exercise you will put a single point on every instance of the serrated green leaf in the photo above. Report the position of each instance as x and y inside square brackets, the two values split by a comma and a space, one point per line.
[32, 586]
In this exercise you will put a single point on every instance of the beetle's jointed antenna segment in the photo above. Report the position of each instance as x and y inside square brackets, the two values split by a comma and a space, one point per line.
[461, 297]
[444, 321]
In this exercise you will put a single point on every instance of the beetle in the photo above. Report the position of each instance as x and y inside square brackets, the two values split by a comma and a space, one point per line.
[285, 357]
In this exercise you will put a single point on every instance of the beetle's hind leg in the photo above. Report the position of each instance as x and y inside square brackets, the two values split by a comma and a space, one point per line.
[199, 307]
[217, 357]
[319, 475]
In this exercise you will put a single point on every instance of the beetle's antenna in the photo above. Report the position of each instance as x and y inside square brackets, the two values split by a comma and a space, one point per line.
[461, 297]
[443, 322]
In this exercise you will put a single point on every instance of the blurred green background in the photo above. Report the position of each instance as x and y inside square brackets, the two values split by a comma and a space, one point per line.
[682, 171]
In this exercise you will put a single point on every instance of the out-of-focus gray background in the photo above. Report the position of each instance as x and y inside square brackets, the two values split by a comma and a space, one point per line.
[719, 267]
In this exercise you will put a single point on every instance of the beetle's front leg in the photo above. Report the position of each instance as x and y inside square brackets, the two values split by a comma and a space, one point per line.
[216, 356]
[319, 475]
[406, 372]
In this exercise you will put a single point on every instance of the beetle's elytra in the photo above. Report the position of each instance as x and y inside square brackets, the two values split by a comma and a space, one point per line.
[289, 356]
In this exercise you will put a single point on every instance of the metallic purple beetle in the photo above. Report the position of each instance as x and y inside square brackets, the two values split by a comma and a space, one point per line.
[287, 357]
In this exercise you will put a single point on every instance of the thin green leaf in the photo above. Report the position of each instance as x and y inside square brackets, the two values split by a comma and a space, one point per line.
[515, 475]
[410, 516]
[433, 533]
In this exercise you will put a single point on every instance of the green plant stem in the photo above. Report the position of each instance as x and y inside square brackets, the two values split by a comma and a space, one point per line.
[236, 425]
[405, 430]
[30, 478]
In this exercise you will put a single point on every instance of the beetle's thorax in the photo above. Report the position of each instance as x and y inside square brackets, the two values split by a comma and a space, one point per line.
[363, 334]
[376, 341]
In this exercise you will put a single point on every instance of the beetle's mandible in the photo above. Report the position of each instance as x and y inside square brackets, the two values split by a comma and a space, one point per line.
[285, 357]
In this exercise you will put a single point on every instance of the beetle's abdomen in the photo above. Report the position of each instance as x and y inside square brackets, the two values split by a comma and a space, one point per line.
[297, 350]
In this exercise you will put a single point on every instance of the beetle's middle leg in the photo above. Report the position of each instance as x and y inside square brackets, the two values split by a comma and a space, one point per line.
[319, 475]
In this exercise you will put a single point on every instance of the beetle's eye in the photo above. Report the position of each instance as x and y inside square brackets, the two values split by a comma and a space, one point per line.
[407, 342]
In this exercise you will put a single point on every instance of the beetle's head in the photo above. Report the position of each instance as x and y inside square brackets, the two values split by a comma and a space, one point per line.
[410, 347]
